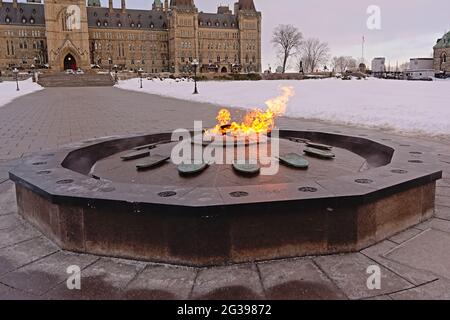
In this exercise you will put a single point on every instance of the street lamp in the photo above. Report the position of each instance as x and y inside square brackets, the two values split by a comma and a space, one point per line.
[33, 72]
[140, 71]
[195, 64]
[115, 73]
[16, 73]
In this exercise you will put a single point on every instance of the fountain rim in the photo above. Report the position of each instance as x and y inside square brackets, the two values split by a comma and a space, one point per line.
[47, 174]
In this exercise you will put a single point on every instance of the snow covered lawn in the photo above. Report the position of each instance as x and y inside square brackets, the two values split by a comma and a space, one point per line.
[8, 90]
[405, 106]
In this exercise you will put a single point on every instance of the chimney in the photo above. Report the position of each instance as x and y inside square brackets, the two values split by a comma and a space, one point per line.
[14, 3]
[166, 5]
[236, 8]
[111, 7]
[124, 7]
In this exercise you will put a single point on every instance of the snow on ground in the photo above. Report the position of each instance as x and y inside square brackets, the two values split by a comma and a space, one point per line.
[405, 106]
[8, 90]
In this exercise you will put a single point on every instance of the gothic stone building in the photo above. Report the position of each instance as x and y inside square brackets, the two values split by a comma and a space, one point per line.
[64, 34]
[442, 54]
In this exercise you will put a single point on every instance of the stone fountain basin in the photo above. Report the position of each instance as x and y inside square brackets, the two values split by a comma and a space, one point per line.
[335, 207]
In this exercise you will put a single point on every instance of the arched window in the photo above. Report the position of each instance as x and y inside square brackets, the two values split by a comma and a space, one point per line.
[443, 57]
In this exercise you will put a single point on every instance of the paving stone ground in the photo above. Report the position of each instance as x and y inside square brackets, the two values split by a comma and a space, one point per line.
[414, 264]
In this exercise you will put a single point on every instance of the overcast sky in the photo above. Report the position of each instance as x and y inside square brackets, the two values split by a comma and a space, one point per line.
[409, 28]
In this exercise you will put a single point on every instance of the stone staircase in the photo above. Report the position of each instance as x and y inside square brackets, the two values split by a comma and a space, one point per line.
[78, 80]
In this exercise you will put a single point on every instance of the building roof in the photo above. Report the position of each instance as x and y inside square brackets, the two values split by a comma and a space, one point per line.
[182, 4]
[247, 5]
[444, 42]
[130, 19]
[100, 17]
[217, 20]
[28, 14]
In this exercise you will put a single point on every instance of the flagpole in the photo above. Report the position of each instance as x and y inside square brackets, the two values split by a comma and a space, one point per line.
[363, 42]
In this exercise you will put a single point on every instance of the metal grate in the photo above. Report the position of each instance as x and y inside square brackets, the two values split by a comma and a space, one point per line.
[364, 181]
[239, 194]
[307, 189]
[167, 194]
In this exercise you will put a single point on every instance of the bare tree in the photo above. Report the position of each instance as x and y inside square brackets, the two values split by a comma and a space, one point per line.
[342, 64]
[287, 39]
[314, 53]
[404, 66]
[335, 64]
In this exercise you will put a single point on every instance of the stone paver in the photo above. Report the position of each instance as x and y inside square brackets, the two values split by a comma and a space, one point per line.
[57, 116]
[405, 235]
[349, 272]
[436, 290]
[411, 274]
[443, 212]
[297, 279]
[8, 202]
[41, 276]
[382, 298]
[437, 224]
[9, 221]
[428, 251]
[240, 282]
[7, 293]
[443, 201]
[14, 257]
[414, 263]
[17, 234]
[162, 282]
[443, 191]
[105, 279]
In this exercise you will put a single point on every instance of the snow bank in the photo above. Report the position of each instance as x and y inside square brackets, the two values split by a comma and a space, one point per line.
[8, 90]
[405, 106]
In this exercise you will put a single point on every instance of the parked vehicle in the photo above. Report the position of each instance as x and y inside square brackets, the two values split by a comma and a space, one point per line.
[442, 75]
[79, 71]
[70, 71]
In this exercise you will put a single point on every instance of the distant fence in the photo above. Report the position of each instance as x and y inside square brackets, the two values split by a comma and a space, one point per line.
[296, 76]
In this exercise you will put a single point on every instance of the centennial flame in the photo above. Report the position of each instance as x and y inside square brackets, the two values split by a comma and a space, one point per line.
[256, 121]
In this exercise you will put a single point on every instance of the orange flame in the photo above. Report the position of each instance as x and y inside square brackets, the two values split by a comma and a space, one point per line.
[256, 121]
